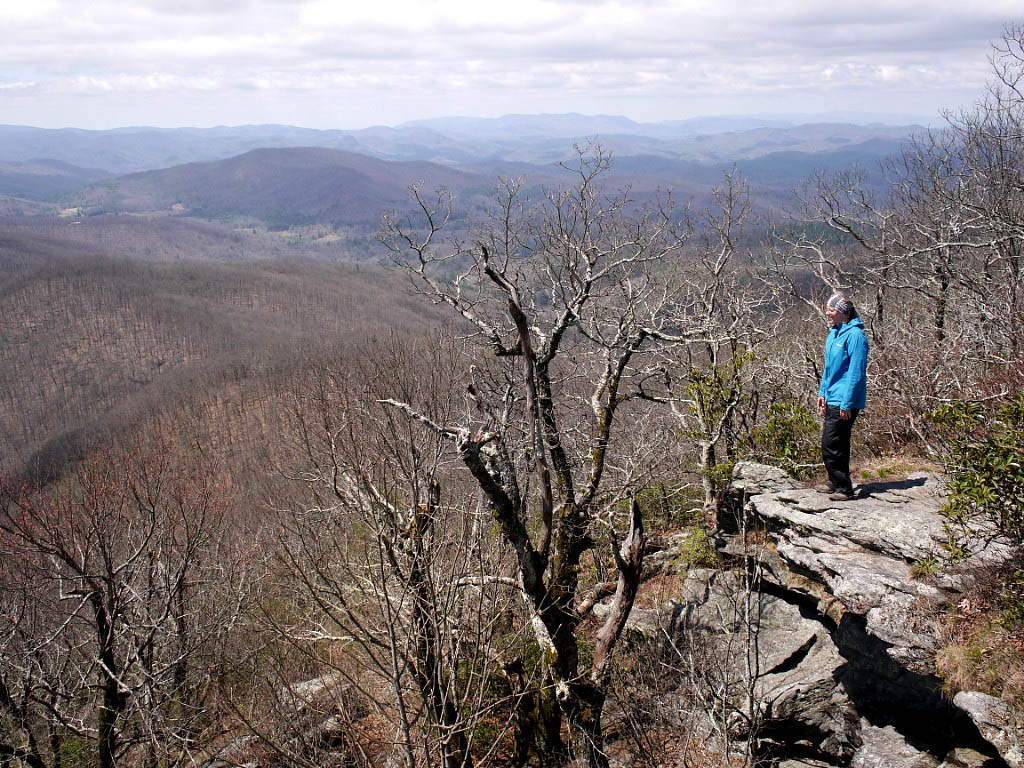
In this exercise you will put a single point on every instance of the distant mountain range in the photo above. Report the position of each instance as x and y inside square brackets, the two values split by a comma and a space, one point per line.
[45, 180]
[304, 185]
[449, 141]
[576, 126]
[288, 176]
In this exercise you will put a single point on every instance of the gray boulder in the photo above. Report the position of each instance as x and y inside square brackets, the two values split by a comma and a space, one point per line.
[886, 748]
[992, 716]
[867, 565]
[898, 520]
[751, 478]
[787, 681]
[964, 757]
[845, 620]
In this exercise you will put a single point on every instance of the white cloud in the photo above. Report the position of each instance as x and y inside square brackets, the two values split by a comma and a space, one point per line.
[28, 13]
[17, 86]
[399, 59]
[155, 82]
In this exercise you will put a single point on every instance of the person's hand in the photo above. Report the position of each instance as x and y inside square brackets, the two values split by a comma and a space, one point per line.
[844, 415]
[821, 404]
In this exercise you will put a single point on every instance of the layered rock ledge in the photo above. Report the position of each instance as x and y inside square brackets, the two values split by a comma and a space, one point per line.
[870, 553]
[864, 569]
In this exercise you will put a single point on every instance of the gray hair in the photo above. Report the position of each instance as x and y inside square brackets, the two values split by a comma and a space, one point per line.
[840, 303]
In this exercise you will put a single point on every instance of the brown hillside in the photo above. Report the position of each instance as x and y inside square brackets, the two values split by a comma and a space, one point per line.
[181, 238]
[94, 344]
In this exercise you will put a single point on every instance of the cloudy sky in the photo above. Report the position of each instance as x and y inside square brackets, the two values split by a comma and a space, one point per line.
[355, 63]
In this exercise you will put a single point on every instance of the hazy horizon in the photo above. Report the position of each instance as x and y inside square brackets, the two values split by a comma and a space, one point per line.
[781, 118]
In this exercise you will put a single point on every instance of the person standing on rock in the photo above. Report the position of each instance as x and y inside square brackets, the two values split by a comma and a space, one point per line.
[843, 392]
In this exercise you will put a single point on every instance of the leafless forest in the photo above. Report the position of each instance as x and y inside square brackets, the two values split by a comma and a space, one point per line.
[265, 504]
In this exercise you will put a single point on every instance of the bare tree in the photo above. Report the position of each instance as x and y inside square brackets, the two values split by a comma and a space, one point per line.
[399, 598]
[571, 299]
[113, 604]
[708, 381]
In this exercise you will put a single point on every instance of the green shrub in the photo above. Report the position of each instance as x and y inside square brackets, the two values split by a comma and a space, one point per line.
[667, 504]
[926, 566]
[721, 476]
[77, 752]
[697, 550]
[985, 465]
[789, 437]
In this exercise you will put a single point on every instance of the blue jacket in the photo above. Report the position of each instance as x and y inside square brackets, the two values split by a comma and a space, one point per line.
[845, 381]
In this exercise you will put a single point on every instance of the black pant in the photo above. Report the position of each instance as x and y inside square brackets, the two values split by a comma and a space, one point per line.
[835, 447]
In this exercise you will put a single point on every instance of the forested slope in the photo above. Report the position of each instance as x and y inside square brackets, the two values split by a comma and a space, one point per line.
[94, 343]
[173, 238]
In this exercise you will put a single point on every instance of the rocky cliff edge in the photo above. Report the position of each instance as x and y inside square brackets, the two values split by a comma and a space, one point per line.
[860, 574]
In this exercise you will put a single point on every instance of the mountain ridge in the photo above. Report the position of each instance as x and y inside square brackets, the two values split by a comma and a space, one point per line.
[287, 186]
[298, 186]
[535, 139]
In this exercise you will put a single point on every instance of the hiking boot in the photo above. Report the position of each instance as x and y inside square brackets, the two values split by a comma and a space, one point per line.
[824, 488]
[842, 495]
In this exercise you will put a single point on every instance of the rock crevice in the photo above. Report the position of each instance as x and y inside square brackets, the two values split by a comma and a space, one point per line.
[846, 620]
[861, 564]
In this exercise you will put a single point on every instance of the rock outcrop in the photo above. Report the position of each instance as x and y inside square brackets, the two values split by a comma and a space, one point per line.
[787, 676]
[844, 600]
[993, 719]
[865, 552]
[865, 570]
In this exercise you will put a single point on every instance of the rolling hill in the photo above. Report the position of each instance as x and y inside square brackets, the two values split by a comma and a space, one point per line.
[45, 180]
[280, 186]
[297, 187]
[183, 238]
[284, 177]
